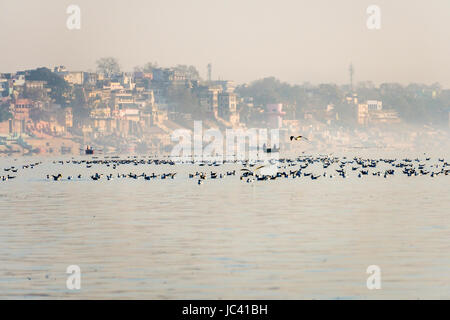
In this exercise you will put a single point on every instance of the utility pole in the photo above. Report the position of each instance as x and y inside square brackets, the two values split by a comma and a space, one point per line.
[209, 71]
[351, 71]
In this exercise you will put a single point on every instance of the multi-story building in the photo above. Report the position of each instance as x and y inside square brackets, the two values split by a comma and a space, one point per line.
[209, 99]
[21, 109]
[352, 99]
[68, 118]
[363, 114]
[74, 77]
[374, 105]
[372, 112]
[168, 75]
[227, 85]
[384, 116]
[113, 86]
[35, 85]
[90, 78]
[227, 106]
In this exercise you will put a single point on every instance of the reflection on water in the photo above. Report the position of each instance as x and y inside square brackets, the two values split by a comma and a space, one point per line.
[282, 239]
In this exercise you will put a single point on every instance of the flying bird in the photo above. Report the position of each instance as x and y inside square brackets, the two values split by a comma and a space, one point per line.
[250, 172]
[257, 168]
[298, 138]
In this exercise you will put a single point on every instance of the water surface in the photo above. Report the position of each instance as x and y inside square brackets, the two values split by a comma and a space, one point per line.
[224, 239]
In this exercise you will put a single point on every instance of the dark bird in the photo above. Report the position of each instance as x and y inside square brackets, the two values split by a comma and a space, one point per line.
[298, 138]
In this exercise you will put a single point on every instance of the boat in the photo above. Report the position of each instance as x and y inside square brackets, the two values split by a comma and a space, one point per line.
[89, 150]
[271, 149]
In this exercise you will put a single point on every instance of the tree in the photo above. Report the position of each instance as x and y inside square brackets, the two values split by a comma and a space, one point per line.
[60, 89]
[4, 112]
[109, 66]
[272, 90]
[38, 114]
[191, 72]
[80, 108]
[149, 66]
[183, 100]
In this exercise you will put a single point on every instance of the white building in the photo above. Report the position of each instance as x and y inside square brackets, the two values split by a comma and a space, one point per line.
[374, 105]
[74, 77]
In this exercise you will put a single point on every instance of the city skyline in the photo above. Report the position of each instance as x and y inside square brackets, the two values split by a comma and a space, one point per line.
[295, 42]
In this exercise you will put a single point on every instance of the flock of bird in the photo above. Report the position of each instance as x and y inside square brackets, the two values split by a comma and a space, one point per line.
[98, 176]
[310, 167]
[14, 170]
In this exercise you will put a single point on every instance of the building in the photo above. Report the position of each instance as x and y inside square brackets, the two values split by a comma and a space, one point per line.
[90, 78]
[21, 109]
[35, 85]
[168, 75]
[372, 112]
[384, 116]
[274, 114]
[352, 99]
[363, 114]
[153, 116]
[226, 85]
[130, 114]
[19, 80]
[227, 107]
[74, 77]
[226, 104]
[209, 99]
[102, 120]
[68, 118]
[113, 86]
[374, 105]
[364, 110]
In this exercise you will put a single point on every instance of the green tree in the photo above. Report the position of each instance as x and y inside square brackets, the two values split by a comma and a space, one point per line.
[5, 114]
[60, 91]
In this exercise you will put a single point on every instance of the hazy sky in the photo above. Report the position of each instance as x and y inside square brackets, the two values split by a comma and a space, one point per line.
[295, 40]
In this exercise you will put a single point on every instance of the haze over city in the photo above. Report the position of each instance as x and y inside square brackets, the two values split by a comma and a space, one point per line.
[295, 41]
